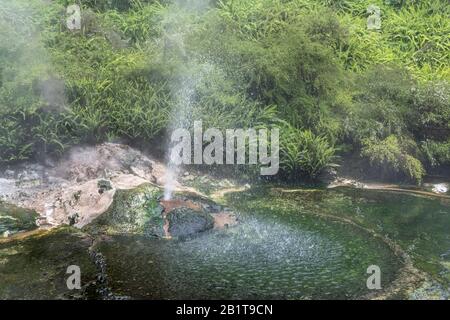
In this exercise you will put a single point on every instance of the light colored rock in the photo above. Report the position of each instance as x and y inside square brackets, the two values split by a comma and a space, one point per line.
[440, 188]
[127, 181]
[71, 187]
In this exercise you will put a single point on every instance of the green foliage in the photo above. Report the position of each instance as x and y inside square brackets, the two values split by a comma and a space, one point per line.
[303, 153]
[139, 24]
[437, 153]
[103, 5]
[413, 34]
[311, 65]
[381, 104]
[390, 155]
[430, 114]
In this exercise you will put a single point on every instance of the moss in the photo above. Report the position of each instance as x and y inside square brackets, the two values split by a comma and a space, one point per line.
[134, 211]
[13, 219]
[35, 268]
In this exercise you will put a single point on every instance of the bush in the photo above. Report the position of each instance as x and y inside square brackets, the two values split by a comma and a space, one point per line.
[437, 153]
[303, 153]
[430, 111]
[391, 157]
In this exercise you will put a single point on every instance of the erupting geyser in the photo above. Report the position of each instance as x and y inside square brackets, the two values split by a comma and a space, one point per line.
[188, 76]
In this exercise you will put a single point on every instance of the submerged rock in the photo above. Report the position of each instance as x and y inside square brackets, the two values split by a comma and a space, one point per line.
[185, 222]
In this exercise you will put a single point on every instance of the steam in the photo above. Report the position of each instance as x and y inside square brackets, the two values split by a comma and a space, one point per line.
[27, 59]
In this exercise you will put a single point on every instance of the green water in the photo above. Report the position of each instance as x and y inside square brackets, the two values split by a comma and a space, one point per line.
[281, 249]
[420, 225]
[269, 255]
[35, 268]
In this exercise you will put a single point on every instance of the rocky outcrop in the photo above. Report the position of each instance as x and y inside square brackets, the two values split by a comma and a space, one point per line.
[81, 186]
[186, 222]
[135, 211]
[93, 182]
[14, 220]
[142, 211]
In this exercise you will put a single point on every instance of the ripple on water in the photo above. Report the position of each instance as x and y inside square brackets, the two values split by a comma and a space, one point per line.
[261, 258]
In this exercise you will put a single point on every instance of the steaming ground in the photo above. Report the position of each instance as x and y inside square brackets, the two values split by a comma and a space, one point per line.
[59, 191]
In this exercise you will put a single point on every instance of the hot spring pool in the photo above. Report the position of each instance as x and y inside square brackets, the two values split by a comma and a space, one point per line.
[261, 258]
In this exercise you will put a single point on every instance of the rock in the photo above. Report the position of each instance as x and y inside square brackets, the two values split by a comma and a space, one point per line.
[104, 185]
[328, 175]
[35, 267]
[440, 188]
[216, 208]
[14, 219]
[224, 220]
[49, 163]
[185, 221]
[7, 186]
[28, 178]
[73, 219]
[135, 211]
[9, 174]
[77, 195]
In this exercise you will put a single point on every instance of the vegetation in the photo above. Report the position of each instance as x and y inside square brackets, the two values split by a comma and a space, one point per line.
[312, 66]
[390, 155]
[304, 153]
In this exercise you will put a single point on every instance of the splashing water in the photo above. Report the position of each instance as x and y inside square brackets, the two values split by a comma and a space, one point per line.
[180, 118]
[189, 76]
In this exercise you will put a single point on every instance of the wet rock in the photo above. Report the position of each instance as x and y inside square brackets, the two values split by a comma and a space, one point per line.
[224, 220]
[104, 185]
[185, 221]
[35, 268]
[216, 208]
[135, 211]
[73, 218]
[13, 219]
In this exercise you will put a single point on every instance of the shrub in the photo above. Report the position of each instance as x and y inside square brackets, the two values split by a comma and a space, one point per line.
[430, 111]
[437, 153]
[390, 156]
[303, 153]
